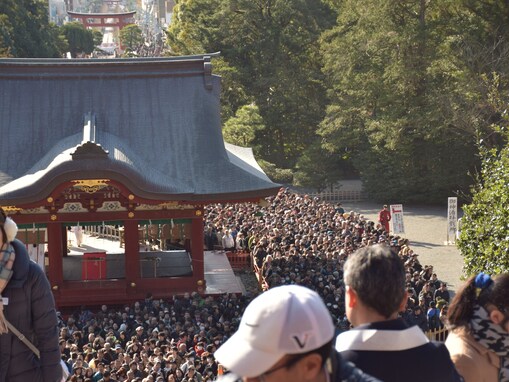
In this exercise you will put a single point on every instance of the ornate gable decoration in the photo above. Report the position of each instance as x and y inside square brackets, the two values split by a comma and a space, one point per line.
[89, 149]
[90, 186]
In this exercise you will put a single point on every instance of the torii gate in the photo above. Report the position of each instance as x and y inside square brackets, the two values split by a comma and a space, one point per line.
[89, 20]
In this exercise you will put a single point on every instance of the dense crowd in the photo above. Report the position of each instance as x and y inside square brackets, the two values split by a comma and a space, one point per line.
[294, 239]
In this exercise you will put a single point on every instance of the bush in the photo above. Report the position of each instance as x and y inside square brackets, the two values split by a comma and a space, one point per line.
[278, 175]
[484, 238]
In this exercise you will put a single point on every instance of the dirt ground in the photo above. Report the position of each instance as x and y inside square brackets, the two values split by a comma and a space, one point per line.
[426, 228]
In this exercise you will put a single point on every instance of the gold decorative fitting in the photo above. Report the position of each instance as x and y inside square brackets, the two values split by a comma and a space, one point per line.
[11, 209]
[133, 285]
[53, 217]
[130, 215]
[198, 213]
[90, 185]
[200, 282]
[131, 197]
[49, 200]
[54, 287]
[169, 205]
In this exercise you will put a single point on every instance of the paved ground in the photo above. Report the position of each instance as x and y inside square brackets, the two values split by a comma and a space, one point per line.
[426, 228]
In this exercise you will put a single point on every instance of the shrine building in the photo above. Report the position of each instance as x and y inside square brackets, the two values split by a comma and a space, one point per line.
[126, 150]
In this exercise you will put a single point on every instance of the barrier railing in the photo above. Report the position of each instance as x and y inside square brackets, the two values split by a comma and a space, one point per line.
[339, 195]
[239, 260]
[437, 335]
[106, 231]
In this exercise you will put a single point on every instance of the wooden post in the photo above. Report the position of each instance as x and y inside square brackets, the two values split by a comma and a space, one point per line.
[55, 253]
[132, 255]
[197, 237]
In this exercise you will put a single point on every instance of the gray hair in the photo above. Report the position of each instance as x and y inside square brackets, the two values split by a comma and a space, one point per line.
[378, 277]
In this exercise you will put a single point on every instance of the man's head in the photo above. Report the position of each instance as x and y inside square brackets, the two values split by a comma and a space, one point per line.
[285, 331]
[375, 281]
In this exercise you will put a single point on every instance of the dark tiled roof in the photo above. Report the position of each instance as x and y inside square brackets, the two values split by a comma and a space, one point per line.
[157, 129]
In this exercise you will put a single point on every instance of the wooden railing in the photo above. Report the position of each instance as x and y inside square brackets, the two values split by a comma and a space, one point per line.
[339, 195]
[437, 335]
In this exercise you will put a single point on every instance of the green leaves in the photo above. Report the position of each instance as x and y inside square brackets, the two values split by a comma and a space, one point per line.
[80, 40]
[241, 130]
[270, 57]
[391, 105]
[25, 30]
[131, 38]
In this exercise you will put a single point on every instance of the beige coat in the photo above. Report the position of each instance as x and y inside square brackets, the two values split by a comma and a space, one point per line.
[472, 360]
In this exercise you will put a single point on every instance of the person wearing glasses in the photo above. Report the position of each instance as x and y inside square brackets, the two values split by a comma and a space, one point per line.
[478, 319]
[381, 343]
[27, 304]
[286, 334]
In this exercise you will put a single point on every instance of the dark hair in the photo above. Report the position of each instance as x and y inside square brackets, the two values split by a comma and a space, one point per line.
[3, 216]
[377, 275]
[496, 292]
[323, 351]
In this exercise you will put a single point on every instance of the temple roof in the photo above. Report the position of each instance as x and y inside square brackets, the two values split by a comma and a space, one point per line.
[152, 124]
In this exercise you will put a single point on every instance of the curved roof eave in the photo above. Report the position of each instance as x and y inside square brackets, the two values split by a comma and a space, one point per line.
[42, 187]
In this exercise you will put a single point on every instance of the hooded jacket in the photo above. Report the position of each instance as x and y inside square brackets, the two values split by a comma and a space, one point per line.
[31, 309]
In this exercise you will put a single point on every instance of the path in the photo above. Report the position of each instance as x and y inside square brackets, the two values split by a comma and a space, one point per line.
[426, 228]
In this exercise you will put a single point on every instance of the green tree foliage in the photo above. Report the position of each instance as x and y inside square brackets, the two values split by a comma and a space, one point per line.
[25, 30]
[318, 168]
[241, 130]
[193, 28]
[131, 38]
[97, 37]
[484, 238]
[395, 100]
[273, 47]
[80, 40]
[5, 36]
[276, 174]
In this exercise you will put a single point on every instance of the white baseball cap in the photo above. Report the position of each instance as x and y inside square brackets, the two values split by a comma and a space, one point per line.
[289, 319]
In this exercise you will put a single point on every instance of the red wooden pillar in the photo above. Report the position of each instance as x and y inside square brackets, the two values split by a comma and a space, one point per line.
[55, 254]
[132, 255]
[197, 237]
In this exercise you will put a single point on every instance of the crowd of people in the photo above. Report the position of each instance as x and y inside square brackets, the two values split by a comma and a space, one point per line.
[369, 282]
[152, 340]
[297, 239]
[294, 239]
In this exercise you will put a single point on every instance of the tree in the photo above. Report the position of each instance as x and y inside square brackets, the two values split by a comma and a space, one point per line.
[484, 238]
[241, 130]
[193, 26]
[5, 36]
[97, 37]
[25, 30]
[319, 169]
[273, 47]
[396, 104]
[131, 38]
[80, 40]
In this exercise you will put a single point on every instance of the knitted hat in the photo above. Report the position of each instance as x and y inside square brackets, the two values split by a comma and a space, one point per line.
[7, 256]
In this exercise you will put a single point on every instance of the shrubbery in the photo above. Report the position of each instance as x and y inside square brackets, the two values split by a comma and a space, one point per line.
[278, 175]
[484, 239]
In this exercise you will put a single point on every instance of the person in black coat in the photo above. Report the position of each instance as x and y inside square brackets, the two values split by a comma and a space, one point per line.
[29, 306]
[286, 333]
[381, 344]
